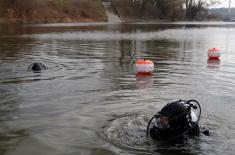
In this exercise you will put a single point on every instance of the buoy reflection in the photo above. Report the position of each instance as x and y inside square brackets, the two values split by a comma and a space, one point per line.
[144, 80]
[213, 63]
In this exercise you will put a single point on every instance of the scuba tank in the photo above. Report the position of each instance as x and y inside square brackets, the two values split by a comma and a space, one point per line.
[174, 120]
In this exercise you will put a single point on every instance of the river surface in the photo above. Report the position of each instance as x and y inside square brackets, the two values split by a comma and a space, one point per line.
[90, 102]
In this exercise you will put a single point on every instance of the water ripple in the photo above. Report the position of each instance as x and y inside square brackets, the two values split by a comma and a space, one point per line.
[178, 34]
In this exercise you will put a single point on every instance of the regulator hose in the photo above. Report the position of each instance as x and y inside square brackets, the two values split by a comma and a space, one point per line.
[150, 121]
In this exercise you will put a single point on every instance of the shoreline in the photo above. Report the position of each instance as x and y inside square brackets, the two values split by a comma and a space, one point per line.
[49, 21]
[49, 12]
[97, 22]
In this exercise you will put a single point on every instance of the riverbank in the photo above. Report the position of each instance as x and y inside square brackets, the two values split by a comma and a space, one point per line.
[68, 11]
[53, 11]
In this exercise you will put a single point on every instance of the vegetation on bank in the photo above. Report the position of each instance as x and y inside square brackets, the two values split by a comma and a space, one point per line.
[51, 11]
[172, 10]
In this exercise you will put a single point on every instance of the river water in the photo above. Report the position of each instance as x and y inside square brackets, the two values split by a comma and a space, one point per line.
[90, 102]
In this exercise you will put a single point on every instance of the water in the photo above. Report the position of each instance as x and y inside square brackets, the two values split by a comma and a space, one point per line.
[90, 101]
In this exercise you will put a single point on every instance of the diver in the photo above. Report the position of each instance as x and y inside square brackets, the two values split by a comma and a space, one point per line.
[176, 120]
[37, 67]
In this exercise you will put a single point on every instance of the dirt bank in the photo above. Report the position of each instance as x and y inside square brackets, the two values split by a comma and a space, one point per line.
[51, 11]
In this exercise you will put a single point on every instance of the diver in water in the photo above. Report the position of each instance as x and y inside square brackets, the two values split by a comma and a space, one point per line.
[37, 67]
[175, 120]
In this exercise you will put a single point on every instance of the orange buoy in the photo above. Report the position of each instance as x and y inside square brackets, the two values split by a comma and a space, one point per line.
[144, 66]
[213, 53]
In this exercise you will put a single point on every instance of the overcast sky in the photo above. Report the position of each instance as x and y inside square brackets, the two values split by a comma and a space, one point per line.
[225, 3]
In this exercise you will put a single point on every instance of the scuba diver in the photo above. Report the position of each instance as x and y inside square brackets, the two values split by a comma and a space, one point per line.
[175, 120]
[37, 67]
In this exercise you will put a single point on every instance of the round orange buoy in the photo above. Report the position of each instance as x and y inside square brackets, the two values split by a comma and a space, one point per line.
[213, 53]
[144, 66]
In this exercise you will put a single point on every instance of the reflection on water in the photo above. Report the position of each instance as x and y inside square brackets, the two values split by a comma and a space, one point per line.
[90, 101]
[213, 63]
[9, 139]
[9, 136]
[144, 81]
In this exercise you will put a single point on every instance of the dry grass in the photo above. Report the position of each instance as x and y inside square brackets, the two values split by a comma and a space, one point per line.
[51, 11]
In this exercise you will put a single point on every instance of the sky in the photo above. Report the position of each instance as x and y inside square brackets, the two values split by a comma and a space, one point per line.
[225, 3]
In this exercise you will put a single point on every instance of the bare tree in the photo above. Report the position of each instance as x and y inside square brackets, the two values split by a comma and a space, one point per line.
[143, 6]
[197, 7]
[167, 8]
[189, 9]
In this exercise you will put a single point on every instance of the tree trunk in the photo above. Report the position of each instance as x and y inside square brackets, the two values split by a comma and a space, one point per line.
[142, 7]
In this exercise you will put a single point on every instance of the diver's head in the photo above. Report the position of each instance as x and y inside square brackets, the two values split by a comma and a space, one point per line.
[173, 115]
[174, 119]
[37, 67]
